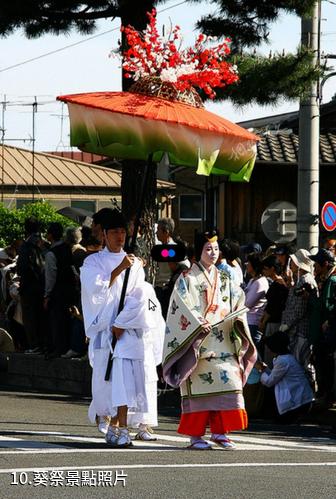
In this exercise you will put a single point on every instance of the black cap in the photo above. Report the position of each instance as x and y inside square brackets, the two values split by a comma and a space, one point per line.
[281, 250]
[322, 256]
[114, 220]
[251, 248]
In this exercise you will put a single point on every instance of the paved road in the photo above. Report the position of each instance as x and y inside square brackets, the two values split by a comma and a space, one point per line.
[48, 449]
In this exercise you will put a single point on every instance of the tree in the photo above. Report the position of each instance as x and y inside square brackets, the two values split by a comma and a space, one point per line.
[37, 18]
[246, 22]
[262, 80]
[12, 221]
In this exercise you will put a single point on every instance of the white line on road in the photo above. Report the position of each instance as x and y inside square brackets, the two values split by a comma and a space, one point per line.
[20, 443]
[175, 466]
[244, 442]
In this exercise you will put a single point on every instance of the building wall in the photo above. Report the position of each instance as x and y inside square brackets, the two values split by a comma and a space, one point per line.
[90, 200]
[240, 205]
[246, 202]
[188, 182]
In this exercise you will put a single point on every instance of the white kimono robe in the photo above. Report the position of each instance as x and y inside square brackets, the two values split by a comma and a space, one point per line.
[138, 349]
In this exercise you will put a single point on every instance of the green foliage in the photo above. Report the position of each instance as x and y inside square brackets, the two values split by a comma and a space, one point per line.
[12, 221]
[38, 18]
[10, 226]
[247, 23]
[265, 80]
[45, 213]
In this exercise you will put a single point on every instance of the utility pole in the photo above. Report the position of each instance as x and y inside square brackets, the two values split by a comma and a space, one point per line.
[33, 149]
[4, 102]
[309, 138]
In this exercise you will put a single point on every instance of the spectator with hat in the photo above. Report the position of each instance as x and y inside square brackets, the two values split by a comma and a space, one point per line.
[295, 317]
[323, 324]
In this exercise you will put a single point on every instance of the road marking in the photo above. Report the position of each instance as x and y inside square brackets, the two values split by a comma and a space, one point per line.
[21, 444]
[244, 442]
[173, 466]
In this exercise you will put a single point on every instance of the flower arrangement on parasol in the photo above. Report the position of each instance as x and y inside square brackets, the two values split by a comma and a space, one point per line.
[160, 67]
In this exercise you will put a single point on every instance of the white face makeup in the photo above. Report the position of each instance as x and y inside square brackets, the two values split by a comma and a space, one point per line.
[210, 254]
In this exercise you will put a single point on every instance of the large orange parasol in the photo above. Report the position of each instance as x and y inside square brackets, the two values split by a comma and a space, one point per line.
[132, 125]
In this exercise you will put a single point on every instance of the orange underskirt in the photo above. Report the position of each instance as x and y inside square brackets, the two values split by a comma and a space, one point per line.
[194, 424]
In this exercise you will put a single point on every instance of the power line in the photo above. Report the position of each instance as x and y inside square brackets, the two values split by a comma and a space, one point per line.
[77, 43]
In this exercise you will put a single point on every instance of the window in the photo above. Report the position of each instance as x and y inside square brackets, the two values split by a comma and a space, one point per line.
[84, 205]
[20, 203]
[190, 207]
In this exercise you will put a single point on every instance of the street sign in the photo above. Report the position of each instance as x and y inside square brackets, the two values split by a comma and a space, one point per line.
[278, 222]
[328, 216]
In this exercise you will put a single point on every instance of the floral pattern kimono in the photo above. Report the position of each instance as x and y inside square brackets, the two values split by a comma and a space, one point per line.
[211, 369]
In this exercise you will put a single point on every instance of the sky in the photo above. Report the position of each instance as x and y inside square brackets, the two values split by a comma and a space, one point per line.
[87, 67]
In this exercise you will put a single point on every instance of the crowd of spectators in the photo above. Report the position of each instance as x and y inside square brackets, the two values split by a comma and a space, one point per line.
[291, 297]
[288, 292]
[40, 292]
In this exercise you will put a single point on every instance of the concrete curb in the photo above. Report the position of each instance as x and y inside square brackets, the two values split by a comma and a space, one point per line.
[36, 373]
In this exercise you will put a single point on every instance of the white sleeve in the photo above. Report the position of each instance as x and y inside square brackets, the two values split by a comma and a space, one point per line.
[134, 312]
[94, 294]
[278, 372]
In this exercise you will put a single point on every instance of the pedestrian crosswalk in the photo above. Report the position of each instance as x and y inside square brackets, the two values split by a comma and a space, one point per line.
[44, 442]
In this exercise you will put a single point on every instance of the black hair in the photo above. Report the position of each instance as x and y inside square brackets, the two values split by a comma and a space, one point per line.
[271, 261]
[86, 234]
[101, 215]
[278, 343]
[92, 241]
[230, 249]
[200, 239]
[256, 263]
[114, 220]
[31, 226]
[55, 229]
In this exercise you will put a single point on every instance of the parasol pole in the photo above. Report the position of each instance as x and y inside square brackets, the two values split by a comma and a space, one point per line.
[145, 179]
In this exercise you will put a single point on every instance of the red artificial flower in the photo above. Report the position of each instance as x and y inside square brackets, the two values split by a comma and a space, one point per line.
[200, 66]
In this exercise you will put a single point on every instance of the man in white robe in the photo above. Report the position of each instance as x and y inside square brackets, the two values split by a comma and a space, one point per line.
[102, 278]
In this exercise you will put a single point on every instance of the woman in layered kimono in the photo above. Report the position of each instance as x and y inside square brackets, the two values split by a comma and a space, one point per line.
[208, 350]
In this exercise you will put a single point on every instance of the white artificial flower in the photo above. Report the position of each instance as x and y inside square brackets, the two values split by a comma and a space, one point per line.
[168, 74]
